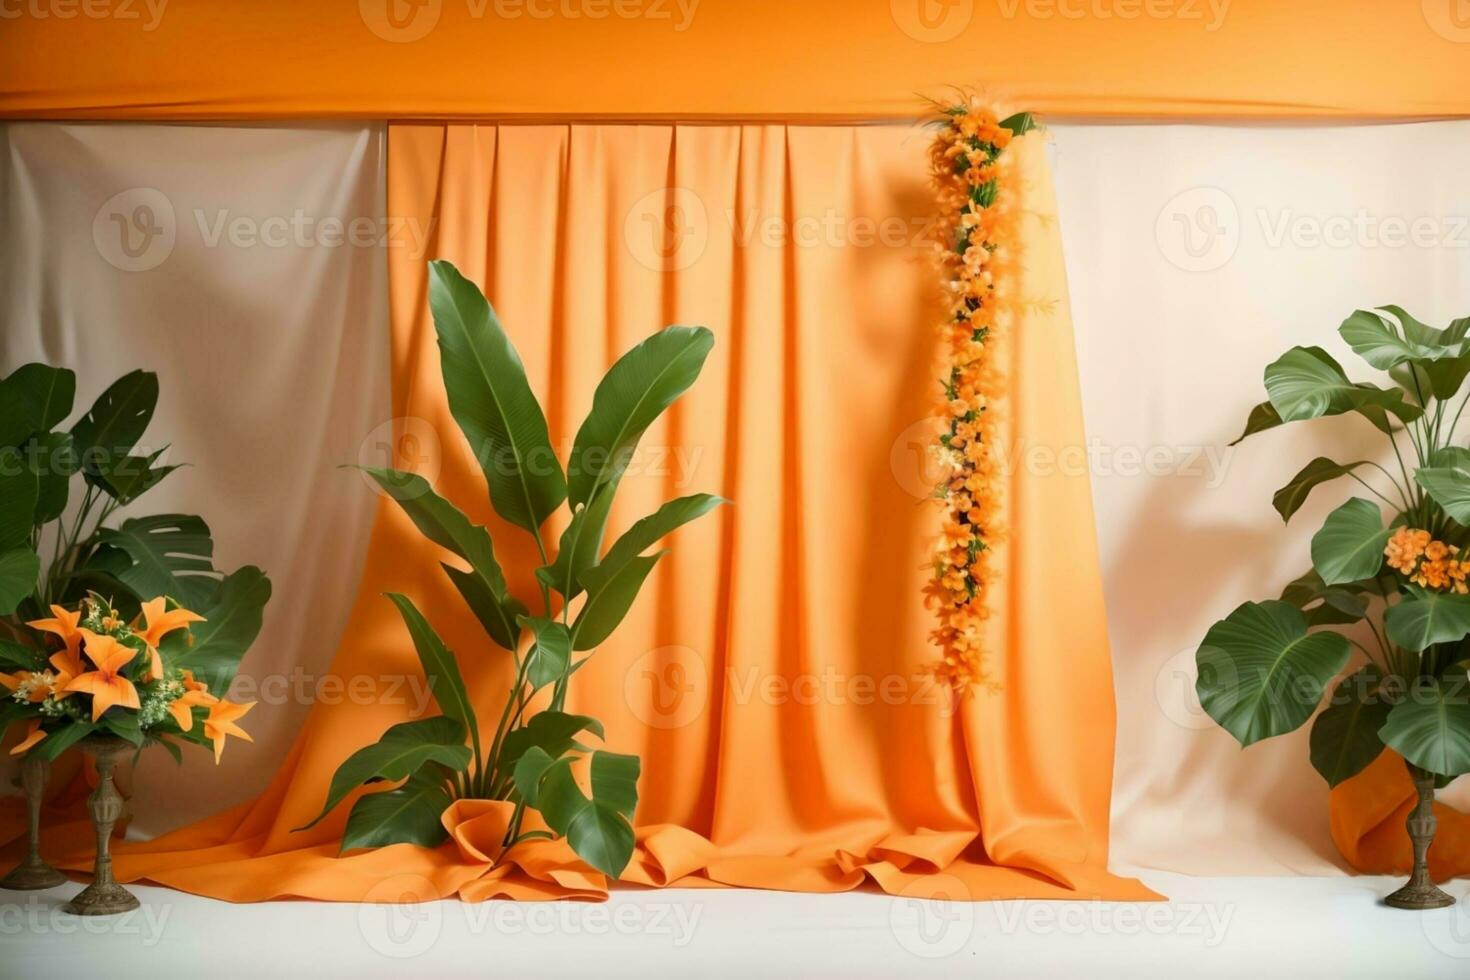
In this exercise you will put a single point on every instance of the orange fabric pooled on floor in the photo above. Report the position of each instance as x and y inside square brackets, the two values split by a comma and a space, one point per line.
[1368, 824]
[772, 675]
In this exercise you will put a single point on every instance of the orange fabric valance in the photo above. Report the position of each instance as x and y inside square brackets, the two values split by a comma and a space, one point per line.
[838, 60]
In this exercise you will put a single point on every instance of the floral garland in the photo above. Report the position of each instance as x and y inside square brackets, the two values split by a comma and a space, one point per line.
[976, 238]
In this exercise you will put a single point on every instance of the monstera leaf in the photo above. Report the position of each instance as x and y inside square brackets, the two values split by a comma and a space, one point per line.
[1306, 383]
[598, 828]
[213, 649]
[170, 556]
[34, 398]
[1345, 735]
[493, 403]
[1350, 544]
[19, 568]
[1261, 673]
[635, 391]
[1430, 728]
[117, 420]
[553, 732]
[402, 751]
[1438, 357]
[20, 489]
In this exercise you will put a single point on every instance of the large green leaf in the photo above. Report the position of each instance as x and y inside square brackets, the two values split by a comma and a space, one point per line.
[529, 771]
[552, 653]
[1261, 674]
[633, 393]
[1324, 604]
[439, 666]
[213, 649]
[53, 456]
[1378, 343]
[493, 403]
[34, 398]
[15, 656]
[20, 489]
[406, 815]
[598, 829]
[19, 569]
[400, 752]
[553, 732]
[1289, 499]
[483, 587]
[1423, 618]
[1262, 417]
[610, 593]
[646, 532]
[1350, 544]
[116, 422]
[129, 477]
[63, 738]
[1345, 735]
[171, 555]
[580, 544]
[1447, 481]
[1430, 728]
[1306, 383]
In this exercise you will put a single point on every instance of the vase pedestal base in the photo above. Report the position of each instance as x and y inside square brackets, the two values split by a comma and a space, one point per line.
[1419, 897]
[102, 899]
[26, 877]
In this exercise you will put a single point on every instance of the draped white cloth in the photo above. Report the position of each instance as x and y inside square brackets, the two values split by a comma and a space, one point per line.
[240, 264]
[1196, 255]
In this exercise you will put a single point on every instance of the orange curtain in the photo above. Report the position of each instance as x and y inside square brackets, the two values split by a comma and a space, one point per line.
[773, 675]
[729, 59]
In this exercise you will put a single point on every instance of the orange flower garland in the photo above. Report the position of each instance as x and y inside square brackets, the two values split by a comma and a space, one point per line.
[976, 245]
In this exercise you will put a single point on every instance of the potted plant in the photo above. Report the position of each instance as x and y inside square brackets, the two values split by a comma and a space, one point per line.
[525, 762]
[99, 648]
[1388, 592]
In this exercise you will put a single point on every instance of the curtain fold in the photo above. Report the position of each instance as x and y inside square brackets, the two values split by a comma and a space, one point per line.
[774, 673]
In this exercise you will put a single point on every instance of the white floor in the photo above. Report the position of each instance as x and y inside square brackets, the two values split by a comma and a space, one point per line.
[1230, 927]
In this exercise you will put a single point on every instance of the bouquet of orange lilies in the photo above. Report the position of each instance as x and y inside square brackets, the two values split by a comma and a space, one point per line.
[100, 674]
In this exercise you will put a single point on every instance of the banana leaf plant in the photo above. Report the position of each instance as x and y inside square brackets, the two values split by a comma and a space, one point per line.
[527, 757]
[1387, 591]
[60, 486]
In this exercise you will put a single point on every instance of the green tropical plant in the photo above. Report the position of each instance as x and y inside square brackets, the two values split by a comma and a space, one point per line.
[527, 759]
[101, 577]
[1391, 588]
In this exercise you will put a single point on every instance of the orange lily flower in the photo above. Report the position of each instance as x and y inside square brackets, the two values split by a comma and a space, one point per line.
[221, 722]
[195, 693]
[63, 625]
[42, 683]
[161, 621]
[32, 737]
[106, 684]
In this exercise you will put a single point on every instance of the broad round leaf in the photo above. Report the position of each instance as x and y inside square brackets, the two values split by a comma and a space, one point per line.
[1430, 728]
[1350, 544]
[407, 815]
[1261, 674]
[1345, 735]
[34, 398]
[1423, 618]
[19, 569]
[1321, 470]
[213, 649]
[1306, 383]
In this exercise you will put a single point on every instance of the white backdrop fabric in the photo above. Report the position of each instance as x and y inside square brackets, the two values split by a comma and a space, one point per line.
[212, 256]
[1196, 255]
